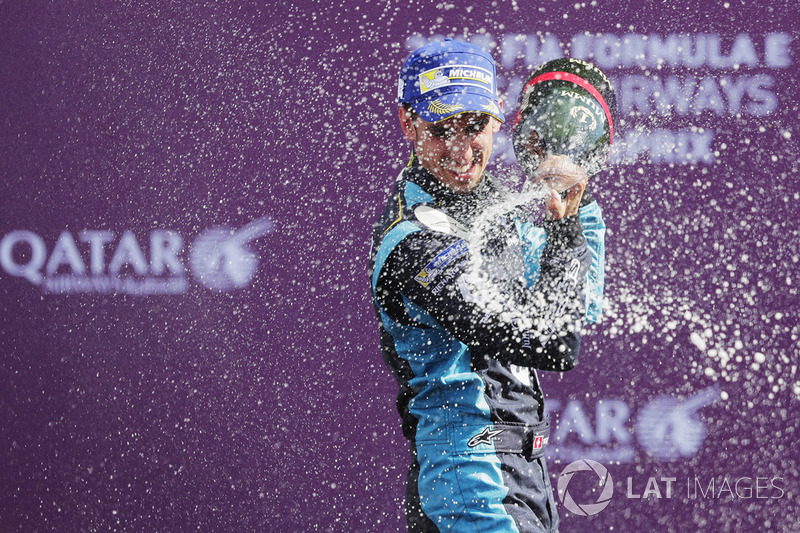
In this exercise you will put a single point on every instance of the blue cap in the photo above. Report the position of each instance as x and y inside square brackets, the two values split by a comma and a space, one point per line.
[445, 78]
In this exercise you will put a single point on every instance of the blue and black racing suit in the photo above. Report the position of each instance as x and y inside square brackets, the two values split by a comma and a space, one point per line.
[466, 362]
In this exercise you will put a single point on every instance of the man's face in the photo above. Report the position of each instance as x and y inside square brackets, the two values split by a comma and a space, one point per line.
[457, 150]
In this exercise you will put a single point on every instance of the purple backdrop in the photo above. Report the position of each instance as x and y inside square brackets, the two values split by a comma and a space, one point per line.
[187, 340]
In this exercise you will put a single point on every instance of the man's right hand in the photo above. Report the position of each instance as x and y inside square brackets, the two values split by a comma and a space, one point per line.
[559, 172]
[558, 206]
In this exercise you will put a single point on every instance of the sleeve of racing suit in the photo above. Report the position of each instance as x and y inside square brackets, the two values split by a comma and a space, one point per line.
[594, 229]
[538, 328]
[533, 241]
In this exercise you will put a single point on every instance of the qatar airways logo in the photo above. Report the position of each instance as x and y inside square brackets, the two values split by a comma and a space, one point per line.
[667, 428]
[100, 261]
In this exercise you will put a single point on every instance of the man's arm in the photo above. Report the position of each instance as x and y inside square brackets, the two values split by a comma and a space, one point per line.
[425, 279]
[533, 240]
[594, 229]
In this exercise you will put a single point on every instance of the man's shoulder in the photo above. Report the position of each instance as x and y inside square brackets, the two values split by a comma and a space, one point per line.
[424, 232]
[413, 231]
[417, 260]
[412, 208]
[413, 246]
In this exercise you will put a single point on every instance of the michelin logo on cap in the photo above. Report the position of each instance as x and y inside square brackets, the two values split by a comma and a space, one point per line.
[456, 75]
[433, 80]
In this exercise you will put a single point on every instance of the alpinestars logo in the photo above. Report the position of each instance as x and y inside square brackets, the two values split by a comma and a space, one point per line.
[484, 437]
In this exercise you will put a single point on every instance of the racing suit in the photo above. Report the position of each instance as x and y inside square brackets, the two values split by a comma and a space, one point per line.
[469, 396]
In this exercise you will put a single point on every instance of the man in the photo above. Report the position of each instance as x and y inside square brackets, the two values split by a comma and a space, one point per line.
[465, 358]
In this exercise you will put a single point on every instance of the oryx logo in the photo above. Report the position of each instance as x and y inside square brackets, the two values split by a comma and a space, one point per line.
[220, 258]
[484, 437]
[605, 481]
[669, 429]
